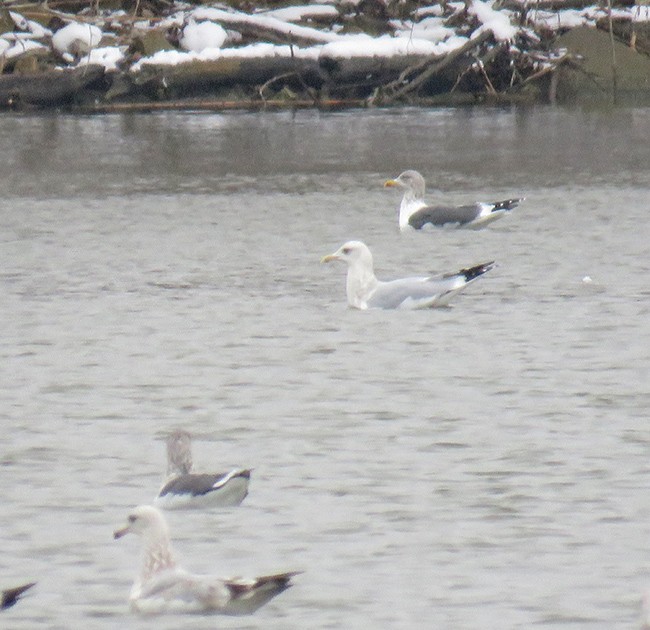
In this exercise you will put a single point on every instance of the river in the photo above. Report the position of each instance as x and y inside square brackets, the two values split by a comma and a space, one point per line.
[482, 466]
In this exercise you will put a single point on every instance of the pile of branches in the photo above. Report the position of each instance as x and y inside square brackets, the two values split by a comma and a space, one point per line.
[485, 67]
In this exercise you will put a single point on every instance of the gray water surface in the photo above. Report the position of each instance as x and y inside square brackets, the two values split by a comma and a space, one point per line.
[483, 466]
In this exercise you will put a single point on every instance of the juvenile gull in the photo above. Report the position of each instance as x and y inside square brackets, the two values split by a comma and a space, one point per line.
[184, 488]
[11, 595]
[415, 214]
[365, 291]
[162, 586]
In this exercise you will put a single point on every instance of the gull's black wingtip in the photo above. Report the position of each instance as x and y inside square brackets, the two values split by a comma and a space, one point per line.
[11, 595]
[478, 270]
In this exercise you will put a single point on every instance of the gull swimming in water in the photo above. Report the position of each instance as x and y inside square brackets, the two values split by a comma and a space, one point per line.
[414, 213]
[364, 290]
[11, 595]
[162, 586]
[184, 488]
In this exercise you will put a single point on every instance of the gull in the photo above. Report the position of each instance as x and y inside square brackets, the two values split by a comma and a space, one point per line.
[365, 291]
[11, 595]
[415, 214]
[163, 586]
[184, 488]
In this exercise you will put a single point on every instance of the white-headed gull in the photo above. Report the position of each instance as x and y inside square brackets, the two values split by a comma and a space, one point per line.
[11, 595]
[184, 488]
[365, 291]
[414, 213]
[163, 586]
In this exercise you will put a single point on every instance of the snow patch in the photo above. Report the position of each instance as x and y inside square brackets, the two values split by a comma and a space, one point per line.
[286, 28]
[76, 38]
[254, 51]
[432, 29]
[110, 57]
[198, 36]
[496, 21]
[384, 46]
[22, 46]
[298, 13]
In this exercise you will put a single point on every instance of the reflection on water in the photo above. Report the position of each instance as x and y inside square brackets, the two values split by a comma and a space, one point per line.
[479, 466]
[47, 155]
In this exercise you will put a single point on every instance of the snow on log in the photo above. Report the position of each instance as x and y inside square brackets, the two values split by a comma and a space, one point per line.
[265, 28]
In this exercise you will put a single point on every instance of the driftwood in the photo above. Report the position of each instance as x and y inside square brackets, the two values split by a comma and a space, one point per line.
[481, 68]
[552, 5]
[221, 105]
[199, 77]
[566, 58]
[270, 29]
[47, 89]
[375, 70]
[79, 5]
[427, 69]
[359, 77]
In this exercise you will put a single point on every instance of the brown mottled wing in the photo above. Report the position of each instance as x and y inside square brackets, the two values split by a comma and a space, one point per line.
[280, 581]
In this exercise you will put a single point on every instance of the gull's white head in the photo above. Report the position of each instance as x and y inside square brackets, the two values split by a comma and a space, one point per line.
[157, 555]
[361, 281]
[146, 521]
[352, 253]
[411, 181]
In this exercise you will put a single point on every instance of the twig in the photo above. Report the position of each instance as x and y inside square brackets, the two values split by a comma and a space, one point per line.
[490, 87]
[544, 71]
[459, 78]
[613, 44]
[436, 66]
[272, 80]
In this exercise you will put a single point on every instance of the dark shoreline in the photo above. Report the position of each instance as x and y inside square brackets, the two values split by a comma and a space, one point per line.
[583, 64]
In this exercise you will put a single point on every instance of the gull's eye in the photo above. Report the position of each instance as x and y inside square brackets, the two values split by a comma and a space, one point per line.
[132, 518]
[346, 250]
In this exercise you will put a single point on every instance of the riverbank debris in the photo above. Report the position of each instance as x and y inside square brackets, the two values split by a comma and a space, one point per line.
[95, 54]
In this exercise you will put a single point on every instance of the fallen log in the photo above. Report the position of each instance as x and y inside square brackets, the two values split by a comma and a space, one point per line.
[47, 89]
[553, 5]
[219, 105]
[199, 77]
[266, 28]
[344, 70]
[359, 77]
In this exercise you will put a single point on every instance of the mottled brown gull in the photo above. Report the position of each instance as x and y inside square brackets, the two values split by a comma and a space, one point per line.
[415, 213]
[162, 586]
[364, 290]
[186, 489]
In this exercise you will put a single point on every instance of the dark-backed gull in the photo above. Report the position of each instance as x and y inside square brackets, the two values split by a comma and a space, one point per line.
[185, 488]
[414, 213]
